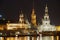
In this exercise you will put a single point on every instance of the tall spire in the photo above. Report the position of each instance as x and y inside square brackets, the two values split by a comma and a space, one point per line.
[46, 19]
[46, 13]
[33, 11]
[46, 9]
[33, 16]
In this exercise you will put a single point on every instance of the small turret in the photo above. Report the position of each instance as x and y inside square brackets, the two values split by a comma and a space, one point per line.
[21, 18]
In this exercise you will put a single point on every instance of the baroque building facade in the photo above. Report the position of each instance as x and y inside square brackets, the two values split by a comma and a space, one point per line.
[33, 32]
[46, 26]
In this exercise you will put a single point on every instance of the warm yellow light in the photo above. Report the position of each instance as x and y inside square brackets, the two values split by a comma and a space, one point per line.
[57, 37]
[52, 37]
[57, 28]
[1, 38]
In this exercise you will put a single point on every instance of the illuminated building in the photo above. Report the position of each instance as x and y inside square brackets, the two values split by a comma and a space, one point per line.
[57, 28]
[46, 26]
[20, 24]
[33, 17]
[23, 25]
[1, 27]
[21, 18]
[25, 28]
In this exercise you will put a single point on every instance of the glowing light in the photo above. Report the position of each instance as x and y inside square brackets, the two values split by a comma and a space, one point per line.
[52, 37]
[0, 15]
[58, 28]
[57, 37]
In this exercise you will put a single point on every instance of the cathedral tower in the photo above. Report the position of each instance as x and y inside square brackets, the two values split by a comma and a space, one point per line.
[46, 19]
[33, 17]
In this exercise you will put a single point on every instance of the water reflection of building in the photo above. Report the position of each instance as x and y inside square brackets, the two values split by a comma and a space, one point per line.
[23, 30]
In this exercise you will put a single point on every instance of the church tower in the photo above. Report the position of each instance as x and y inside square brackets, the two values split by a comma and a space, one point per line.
[21, 18]
[46, 19]
[46, 26]
[33, 17]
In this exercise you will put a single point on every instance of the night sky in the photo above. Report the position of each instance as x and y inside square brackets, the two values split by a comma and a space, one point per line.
[10, 9]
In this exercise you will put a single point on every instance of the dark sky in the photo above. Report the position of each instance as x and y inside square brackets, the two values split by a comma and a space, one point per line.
[10, 9]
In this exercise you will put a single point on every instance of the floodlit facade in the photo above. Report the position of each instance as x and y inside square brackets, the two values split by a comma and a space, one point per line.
[1, 27]
[33, 18]
[46, 26]
[20, 24]
[57, 28]
[28, 29]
